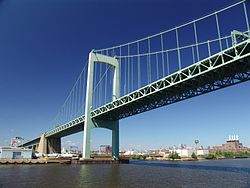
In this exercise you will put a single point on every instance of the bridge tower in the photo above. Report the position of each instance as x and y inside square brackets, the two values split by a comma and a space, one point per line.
[90, 123]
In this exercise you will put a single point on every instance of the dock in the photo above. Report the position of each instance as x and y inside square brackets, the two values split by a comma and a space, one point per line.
[63, 161]
[22, 161]
[100, 161]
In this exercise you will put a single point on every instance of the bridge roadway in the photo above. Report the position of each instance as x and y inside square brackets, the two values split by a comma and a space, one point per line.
[223, 69]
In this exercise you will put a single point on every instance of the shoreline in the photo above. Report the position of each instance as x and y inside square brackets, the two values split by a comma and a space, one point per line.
[62, 161]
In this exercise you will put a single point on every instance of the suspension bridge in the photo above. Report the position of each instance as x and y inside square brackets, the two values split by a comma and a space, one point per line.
[201, 56]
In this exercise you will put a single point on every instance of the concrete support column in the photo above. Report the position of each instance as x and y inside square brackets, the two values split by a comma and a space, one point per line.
[86, 140]
[89, 122]
[49, 145]
[115, 140]
[54, 145]
[42, 147]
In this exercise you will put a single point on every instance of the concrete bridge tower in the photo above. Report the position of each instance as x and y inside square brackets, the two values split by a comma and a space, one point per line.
[94, 123]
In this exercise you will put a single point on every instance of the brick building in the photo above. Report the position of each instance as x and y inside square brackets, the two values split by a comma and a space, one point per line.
[232, 145]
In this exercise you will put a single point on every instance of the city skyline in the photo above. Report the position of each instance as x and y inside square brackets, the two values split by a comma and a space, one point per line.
[42, 77]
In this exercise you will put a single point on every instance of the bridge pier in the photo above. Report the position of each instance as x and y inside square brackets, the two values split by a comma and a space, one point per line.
[49, 145]
[54, 145]
[86, 139]
[115, 140]
[111, 125]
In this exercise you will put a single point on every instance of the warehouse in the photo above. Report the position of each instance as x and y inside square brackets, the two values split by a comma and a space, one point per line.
[15, 153]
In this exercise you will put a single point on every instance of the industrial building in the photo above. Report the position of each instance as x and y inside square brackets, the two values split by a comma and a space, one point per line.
[15, 153]
[232, 145]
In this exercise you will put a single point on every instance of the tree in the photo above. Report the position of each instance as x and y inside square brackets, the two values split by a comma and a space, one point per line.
[210, 156]
[174, 156]
[194, 156]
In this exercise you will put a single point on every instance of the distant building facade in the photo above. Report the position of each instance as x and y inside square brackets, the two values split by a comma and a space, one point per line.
[184, 152]
[15, 153]
[105, 149]
[188, 151]
[202, 152]
[232, 145]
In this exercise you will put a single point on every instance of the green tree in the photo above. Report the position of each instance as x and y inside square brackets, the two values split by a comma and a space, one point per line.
[174, 156]
[210, 156]
[228, 155]
[194, 156]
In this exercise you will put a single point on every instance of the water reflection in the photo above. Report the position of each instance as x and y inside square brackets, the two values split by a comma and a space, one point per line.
[227, 173]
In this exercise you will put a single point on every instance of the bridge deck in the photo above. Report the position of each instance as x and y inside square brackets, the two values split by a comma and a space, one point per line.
[223, 69]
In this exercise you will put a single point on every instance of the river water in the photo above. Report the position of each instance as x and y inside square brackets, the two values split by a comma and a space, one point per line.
[213, 173]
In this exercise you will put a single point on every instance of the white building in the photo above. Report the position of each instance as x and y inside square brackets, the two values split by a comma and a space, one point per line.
[15, 153]
[201, 152]
[131, 152]
[185, 152]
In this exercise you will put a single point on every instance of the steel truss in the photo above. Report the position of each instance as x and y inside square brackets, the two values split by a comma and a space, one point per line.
[223, 69]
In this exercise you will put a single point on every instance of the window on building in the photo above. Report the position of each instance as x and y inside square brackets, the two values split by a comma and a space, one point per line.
[17, 155]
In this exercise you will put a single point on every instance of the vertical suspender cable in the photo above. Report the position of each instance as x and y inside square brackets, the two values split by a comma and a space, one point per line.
[218, 30]
[178, 48]
[227, 43]
[209, 51]
[84, 90]
[120, 67]
[80, 92]
[149, 62]
[73, 102]
[95, 92]
[157, 66]
[106, 80]
[100, 89]
[128, 69]
[246, 17]
[193, 54]
[125, 75]
[75, 96]
[71, 105]
[68, 109]
[138, 65]
[208, 47]
[167, 59]
[196, 41]
[162, 57]
[132, 74]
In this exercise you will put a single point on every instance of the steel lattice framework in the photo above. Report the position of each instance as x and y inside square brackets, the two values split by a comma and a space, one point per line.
[221, 70]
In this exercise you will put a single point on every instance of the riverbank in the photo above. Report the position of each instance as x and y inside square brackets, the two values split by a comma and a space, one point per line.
[184, 159]
[62, 161]
[23, 161]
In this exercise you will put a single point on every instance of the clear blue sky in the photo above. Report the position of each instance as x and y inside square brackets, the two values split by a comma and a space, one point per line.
[44, 45]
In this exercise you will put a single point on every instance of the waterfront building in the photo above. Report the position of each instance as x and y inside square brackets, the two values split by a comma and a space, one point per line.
[164, 153]
[188, 151]
[131, 152]
[184, 152]
[105, 149]
[202, 152]
[15, 153]
[232, 145]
